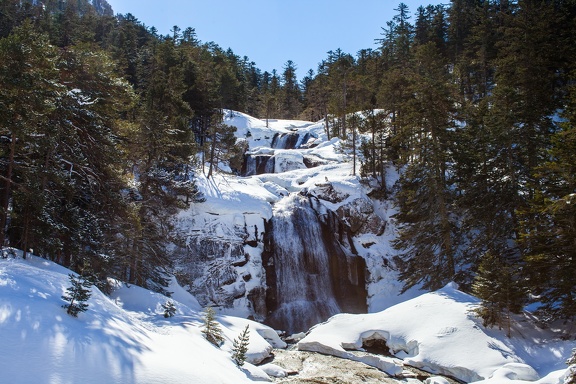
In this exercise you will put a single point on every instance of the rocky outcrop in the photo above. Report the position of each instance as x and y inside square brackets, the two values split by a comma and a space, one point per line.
[358, 214]
[220, 265]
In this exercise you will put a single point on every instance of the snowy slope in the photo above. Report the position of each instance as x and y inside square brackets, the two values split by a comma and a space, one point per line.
[123, 339]
[438, 333]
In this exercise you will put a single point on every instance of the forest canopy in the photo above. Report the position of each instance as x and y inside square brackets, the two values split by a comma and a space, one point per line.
[104, 124]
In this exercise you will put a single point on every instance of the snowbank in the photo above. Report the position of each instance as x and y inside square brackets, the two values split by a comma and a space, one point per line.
[438, 333]
[123, 339]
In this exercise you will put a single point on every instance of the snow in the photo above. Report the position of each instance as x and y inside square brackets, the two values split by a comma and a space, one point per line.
[274, 370]
[439, 333]
[124, 338]
[119, 339]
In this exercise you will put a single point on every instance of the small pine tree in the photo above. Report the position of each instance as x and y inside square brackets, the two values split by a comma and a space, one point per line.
[211, 328]
[169, 309]
[77, 295]
[571, 374]
[240, 347]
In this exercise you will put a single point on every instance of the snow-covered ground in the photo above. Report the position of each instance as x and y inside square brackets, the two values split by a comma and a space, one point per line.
[439, 333]
[125, 338]
[119, 339]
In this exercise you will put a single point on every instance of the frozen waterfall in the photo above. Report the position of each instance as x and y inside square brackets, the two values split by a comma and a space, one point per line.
[309, 275]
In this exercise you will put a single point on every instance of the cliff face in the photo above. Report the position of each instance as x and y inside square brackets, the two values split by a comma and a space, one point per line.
[290, 242]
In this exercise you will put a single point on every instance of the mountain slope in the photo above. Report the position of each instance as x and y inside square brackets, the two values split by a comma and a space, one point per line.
[125, 339]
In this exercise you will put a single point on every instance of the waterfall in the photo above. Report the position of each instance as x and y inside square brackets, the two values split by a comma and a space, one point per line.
[257, 165]
[290, 140]
[309, 275]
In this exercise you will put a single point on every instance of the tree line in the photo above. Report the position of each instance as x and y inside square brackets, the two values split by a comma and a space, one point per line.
[104, 123]
[102, 120]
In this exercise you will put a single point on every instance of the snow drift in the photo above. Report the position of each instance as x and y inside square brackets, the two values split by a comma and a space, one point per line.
[122, 339]
[438, 333]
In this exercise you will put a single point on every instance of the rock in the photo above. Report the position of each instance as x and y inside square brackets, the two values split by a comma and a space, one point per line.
[293, 339]
[516, 371]
[274, 370]
[327, 192]
[360, 217]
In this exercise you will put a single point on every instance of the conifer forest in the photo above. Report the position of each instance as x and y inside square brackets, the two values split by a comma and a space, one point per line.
[105, 124]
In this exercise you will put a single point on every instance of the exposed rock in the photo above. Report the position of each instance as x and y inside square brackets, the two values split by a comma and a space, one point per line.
[326, 191]
[360, 216]
[313, 161]
[309, 367]
[257, 296]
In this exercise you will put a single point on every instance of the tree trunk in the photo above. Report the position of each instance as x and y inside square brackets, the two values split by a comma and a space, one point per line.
[7, 190]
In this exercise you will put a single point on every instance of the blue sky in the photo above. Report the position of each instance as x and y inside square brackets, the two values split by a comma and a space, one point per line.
[271, 32]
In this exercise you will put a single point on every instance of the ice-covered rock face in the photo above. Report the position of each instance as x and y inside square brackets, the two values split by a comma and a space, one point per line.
[208, 265]
[309, 275]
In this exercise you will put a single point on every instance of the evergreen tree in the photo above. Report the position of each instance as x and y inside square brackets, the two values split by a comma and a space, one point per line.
[426, 194]
[549, 224]
[211, 329]
[77, 295]
[339, 67]
[374, 151]
[220, 144]
[499, 287]
[240, 347]
[571, 374]
[291, 104]
[29, 88]
[169, 309]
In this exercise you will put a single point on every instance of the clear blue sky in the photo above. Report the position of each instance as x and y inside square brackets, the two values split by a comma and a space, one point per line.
[271, 32]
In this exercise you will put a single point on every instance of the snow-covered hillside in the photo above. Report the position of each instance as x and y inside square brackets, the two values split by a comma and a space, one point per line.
[125, 338]
[120, 339]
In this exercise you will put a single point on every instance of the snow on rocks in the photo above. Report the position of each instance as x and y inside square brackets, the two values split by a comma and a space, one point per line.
[436, 380]
[435, 332]
[274, 370]
[516, 371]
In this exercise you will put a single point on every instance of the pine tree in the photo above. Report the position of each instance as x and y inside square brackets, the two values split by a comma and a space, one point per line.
[571, 373]
[29, 88]
[211, 329]
[426, 195]
[291, 100]
[169, 309]
[548, 225]
[240, 347]
[220, 143]
[77, 295]
[499, 287]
